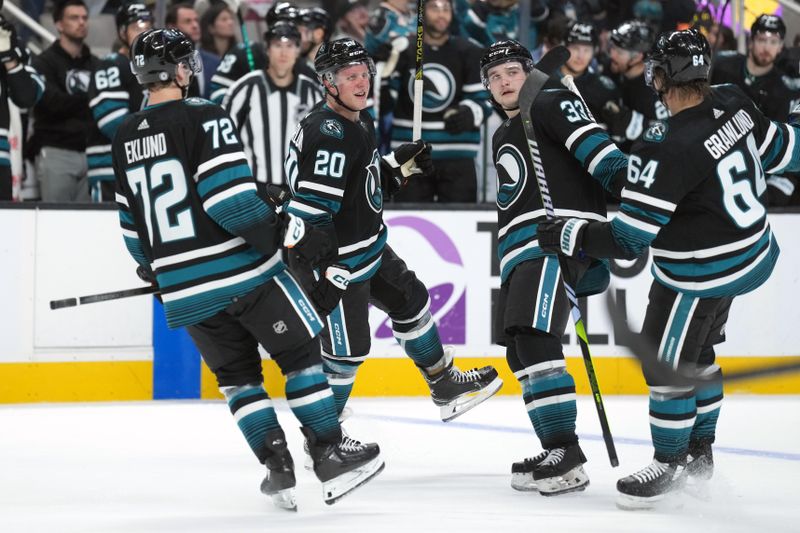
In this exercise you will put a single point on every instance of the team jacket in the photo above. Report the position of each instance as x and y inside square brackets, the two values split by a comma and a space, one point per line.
[579, 161]
[451, 78]
[696, 194]
[23, 86]
[186, 200]
[267, 117]
[334, 172]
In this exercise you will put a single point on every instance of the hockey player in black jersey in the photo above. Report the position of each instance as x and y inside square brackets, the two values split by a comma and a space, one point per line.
[338, 180]
[267, 104]
[192, 218]
[532, 309]
[696, 196]
[114, 93]
[773, 91]
[315, 24]
[628, 45]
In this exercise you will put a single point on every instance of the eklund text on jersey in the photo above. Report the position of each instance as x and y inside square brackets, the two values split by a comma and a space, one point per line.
[145, 148]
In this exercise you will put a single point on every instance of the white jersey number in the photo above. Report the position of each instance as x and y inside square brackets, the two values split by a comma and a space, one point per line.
[181, 225]
[737, 195]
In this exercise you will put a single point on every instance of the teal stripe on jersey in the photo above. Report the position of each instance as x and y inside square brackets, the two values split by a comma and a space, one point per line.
[715, 267]
[654, 218]
[671, 425]
[531, 253]
[107, 106]
[510, 240]
[607, 168]
[110, 129]
[323, 219]
[99, 160]
[223, 177]
[126, 218]
[135, 249]
[240, 212]
[555, 415]
[214, 267]
[632, 239]
[4, 144]
[547, 294]
[5, 162]
[317, 408]
[362, 259]
[369, 273]
[776, 150]
[676, 328]
[319, 202]
[589, 145]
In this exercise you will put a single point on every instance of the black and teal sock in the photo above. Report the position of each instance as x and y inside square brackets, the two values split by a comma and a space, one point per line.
[252, 409]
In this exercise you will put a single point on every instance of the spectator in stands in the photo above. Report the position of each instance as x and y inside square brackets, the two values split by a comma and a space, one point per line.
[23, 85]
[183, 17]
[62, 118]
[217, 29]
[353, 19]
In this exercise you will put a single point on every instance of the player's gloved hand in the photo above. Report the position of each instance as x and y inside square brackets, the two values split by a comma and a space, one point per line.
[459, 119]
[146, 275]
[562, 235]
[278, 194]
[327, 292]
[308, 244]
[10, 49]
[410, 159]
[615, 117]
[382, 52]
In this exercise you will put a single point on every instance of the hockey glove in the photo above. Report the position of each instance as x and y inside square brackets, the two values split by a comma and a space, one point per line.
[148, 276]
[308, 244]
[562, 236]
[410, 159]
[459, 119]
[327, 292]
[794, 116]
[278, 194]
[616, 118]
[9, 45]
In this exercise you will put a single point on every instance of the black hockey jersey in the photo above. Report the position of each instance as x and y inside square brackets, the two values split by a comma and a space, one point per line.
[641, 107]
[576, 176]
[267, 117]
[334, 172]
[23, 86]
[186, 198]
[696, 195]
[596, 90]
[114, 93]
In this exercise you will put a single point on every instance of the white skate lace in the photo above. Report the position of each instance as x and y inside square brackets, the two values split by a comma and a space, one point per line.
[460, 376]
[650, 472]
[555, 456]
[349, 444]
[536, 459]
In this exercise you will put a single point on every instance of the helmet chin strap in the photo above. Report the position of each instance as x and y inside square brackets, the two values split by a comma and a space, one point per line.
[339, 100]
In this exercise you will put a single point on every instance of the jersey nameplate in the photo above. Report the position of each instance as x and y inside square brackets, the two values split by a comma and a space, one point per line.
[656, 133]
[333, 128]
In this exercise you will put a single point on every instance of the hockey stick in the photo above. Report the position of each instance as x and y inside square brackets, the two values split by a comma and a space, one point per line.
[416, 128]
[647, 352]
[102, 297]
[245, 38]
[530, 89]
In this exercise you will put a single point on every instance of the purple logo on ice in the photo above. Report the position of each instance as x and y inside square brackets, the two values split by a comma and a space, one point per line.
[445, 281]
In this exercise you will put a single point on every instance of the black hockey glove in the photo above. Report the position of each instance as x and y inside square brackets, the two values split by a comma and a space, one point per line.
[382, 52]
[309, 245]
[327, 292]
[148, 276]
[562, 236]
[10, 50]
[278, 194]
[459, 119]
[616, 118]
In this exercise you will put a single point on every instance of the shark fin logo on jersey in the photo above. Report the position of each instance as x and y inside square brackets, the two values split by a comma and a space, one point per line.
[438, 88]
[333, 128]
[511, 175]
[793, 84]
[656, 133]
[373, 183]
[606, 82]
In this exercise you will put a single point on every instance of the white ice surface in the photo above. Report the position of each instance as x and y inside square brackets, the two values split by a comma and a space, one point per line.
[184, 467]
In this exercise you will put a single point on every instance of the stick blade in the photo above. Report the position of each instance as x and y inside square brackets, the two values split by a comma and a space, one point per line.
[553, 59]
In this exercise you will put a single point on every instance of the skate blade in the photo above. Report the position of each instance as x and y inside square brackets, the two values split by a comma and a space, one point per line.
[464, 403]
[628, 502]
[523, 482]
[285, 499]
[340, 486]
[575, 480]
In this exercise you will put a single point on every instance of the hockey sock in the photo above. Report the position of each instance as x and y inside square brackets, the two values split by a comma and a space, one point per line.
[341, 376]
[311, 401]
[420, 340]
[527, 397]
[672, 415]
[552, 407]
[709, 401]
[252, 409]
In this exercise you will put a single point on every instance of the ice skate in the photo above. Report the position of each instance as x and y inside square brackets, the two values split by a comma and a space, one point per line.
[344, 466]
[700, 460]
[308, 463]
[280, 482]
[456, 392]
[651, 484]
[522, 472]
[561, 471]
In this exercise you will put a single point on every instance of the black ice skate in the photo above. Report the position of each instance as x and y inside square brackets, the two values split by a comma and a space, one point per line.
[522, 472]
[643, 489]
[700, 461]
[308, 464]
[456, 392]
[280, 482]
[344, 466]
[561, 471]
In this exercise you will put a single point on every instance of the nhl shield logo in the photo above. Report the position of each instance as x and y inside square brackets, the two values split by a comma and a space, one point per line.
[280, 327]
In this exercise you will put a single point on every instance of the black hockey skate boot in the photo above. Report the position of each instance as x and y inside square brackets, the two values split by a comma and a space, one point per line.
[279, 483]
[456, 392]
[561, 471]
[522, 472]
[700, 461]
[344, 466]
[308, 464]
[648, 486]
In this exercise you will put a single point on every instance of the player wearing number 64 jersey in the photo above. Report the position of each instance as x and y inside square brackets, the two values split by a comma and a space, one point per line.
[696, 196]
[193, 219]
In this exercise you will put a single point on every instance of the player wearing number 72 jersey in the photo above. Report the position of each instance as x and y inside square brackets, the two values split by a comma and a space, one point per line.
[696, 196]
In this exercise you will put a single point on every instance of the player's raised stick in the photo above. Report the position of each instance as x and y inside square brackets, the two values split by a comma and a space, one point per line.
[416, 128]
[530, 89]
[245, 37]
[102, 297]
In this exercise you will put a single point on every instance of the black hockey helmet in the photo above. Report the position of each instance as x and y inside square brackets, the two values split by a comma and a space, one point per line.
[335, 55]
[282, 29]
[504, 52]
[282, 11]
[156, 54]
[684, 56]
[768, 24]
[582, 33]
[315, 17]
[127, 14]
[633, 35]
